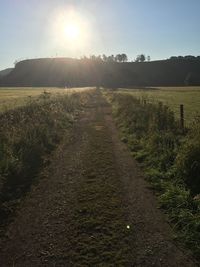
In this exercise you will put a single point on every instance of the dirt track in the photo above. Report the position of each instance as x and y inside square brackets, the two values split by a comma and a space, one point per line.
[91, 206]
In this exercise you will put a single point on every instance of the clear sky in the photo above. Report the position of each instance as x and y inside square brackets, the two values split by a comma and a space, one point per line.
[73, 28]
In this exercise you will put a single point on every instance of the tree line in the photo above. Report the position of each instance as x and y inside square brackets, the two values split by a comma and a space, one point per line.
[116, 58]
[139, 58]
[187, 57]
[124, 58]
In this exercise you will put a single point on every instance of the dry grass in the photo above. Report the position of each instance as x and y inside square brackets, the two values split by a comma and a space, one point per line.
[12, 97]
[172, 97]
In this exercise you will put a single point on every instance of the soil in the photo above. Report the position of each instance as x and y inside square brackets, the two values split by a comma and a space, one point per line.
[91, 206]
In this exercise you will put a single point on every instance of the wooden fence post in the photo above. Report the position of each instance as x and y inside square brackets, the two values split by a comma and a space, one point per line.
[182, 116]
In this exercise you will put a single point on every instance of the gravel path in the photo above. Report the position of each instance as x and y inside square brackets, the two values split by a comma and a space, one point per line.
[91, 206]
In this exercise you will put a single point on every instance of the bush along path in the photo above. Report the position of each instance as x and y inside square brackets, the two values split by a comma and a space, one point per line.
[91, 206]
[27, 135]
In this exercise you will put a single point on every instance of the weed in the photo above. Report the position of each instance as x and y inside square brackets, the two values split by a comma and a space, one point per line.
[27, 135]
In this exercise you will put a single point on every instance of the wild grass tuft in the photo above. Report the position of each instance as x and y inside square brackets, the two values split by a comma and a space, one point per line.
[27, 135]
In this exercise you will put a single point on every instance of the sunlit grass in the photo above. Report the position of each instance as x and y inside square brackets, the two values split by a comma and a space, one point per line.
[12, 97]
[173, 97]
[28, 135]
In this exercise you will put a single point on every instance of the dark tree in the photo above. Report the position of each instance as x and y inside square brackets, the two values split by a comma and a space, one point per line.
[140, 58]
[189, 57]
[104, 57]
[118, 58]
[173, 58]
[111, 58]
[124, 57]
[93, 57]
[180, 58]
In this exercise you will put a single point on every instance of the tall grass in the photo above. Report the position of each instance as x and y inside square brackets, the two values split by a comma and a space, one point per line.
[170, 157]
[27, 134]
[172, 97]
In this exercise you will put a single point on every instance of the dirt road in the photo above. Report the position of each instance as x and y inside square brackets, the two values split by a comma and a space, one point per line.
[91, 206]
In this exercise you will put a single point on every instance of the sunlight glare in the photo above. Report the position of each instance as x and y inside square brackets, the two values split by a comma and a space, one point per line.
[70, 30]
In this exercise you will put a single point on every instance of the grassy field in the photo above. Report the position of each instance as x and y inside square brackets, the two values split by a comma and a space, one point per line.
[173, 97]
[12, 97]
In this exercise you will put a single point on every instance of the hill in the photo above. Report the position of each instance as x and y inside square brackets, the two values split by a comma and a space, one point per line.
[87, 72]
[5, 72]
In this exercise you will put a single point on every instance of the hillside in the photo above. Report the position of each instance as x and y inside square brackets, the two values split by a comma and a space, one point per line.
[76, 72]
[5, 72]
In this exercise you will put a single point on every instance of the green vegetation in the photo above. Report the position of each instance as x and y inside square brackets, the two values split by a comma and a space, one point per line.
[170, 157]
[172, 97]
[12, 97]
[28, 134]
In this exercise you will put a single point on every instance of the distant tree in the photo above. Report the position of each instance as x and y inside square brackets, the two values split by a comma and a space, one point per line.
[93, 57]
[124, 57]
[148, 58]
[111, 58]
[104, 57]
[180, 57]
[121, 58]
[140, 58]
[96, 58]
[118, 58]
[189, 57]
[173, 58]
[99, 58]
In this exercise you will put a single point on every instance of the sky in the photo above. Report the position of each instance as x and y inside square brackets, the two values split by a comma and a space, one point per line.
[39, 28]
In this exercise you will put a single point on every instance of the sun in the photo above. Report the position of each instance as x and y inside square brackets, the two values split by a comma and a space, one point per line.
[72, 31]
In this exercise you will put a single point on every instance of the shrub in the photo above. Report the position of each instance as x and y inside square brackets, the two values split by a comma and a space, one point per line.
[188, 160]
[27, 134]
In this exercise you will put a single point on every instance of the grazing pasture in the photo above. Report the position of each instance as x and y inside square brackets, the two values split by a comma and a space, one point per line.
[12, 97]
[172, 97]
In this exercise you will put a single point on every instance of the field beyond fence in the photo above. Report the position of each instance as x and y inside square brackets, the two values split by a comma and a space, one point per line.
[172, 97]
